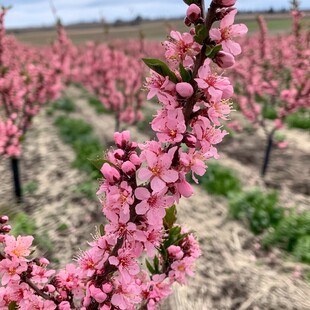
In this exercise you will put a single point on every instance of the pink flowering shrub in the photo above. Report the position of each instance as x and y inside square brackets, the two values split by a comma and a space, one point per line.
[142, 183]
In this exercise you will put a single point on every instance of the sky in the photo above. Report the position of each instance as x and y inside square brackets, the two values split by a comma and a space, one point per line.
[38, 12]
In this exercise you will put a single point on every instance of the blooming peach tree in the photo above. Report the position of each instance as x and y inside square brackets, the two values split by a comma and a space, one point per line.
[142, 184]
[274, 79]
[115, 78]
[27, 81]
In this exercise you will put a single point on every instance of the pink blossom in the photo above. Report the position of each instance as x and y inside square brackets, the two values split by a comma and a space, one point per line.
[121, 226]
[170, 125]
[153, 205]
[120, 197]
[181, 268]
[218, 110]
[180, 46]
[97, 294]
[161, 87]
[190, 245]
[183, 187]
[126, 294]
[40, 274]
[228, 31]
[89, 262]
[215, 87]
[158, 171]
[64, 305]
[11, 270]
[18, 247]
[161, 289]
[193, 161]
[126, 264]
[151, 238]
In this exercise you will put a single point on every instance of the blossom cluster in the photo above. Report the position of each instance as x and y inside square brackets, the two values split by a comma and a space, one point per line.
[142, 183]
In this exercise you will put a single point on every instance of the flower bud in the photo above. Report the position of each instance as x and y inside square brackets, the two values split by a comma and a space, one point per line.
[43, 261]
[129, 168]
[175, 251]
[135, 159]
[224, 60]
[192, 32]
[110, 173]
[5, 228]
[184, 89]
[49, 288]
[193, 12]
[119, 154]
[190, 140]
[122, 138]
[225, 3]
[3, 219]
[107, 288]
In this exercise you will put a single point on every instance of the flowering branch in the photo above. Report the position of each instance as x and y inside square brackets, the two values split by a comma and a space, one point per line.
[142, 184]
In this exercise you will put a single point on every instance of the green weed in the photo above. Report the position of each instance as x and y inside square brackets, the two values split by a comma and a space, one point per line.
[256, 209]
[219, 180]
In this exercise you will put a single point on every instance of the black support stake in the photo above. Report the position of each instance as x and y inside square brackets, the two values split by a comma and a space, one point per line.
[16, 179]
[267, 155]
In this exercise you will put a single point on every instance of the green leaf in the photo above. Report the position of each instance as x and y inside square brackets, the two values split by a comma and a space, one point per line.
[181, 237]
[186, 75]
[170, 217]
[201, 33]
[161, 68]
[149, 267]
[98, 162]
[175, 230]
[156, 263]
[211, 52]
[101, 230]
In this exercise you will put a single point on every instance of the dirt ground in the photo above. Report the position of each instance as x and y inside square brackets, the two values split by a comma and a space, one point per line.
[232, 273]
